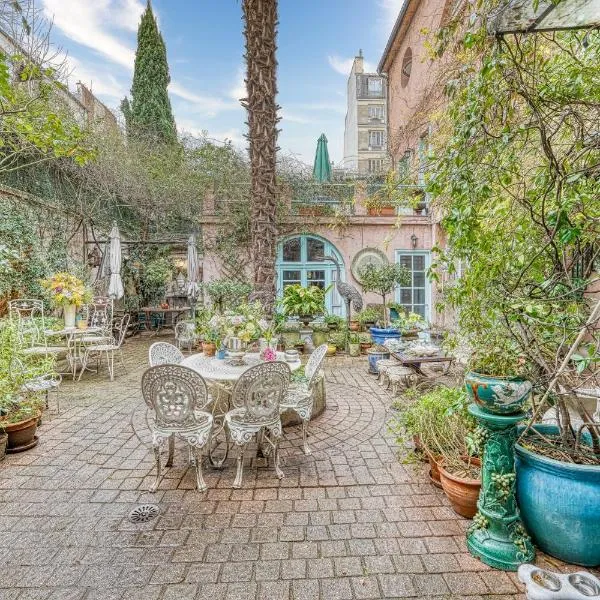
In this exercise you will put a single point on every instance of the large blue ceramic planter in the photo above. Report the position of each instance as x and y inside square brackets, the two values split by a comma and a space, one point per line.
[560, 505]
[380, 334]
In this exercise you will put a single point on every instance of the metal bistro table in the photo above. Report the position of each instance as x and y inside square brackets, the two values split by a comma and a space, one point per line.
[221, 377]
[414, 361]
[74, 337]
[162, 313]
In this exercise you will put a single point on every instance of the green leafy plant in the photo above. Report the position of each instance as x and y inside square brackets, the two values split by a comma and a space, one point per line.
[303, 301]
[227, 294]
[365, 337]
[383, 280]
[409, 322]
[338, 339]
[334, 321]
[369, 315]
[442, 422]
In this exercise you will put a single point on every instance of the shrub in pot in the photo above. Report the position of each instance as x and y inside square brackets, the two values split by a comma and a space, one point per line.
[364, 339]
[290, 333]
[354, 345]
[441, 422]
[368, 317]
[338, 339]
[383, 280]
[320, 332]
[334, 322]
[496, 374]
[409, 324]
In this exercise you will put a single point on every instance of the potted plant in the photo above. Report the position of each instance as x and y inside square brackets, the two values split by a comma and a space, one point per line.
[337, 340]
[210, 341]
[364, 339]
[19, 412]
[368, 317]
[303, 302]
[409, 324]
[67, 292]
[382, 280]
[440, 421]
[290, 333]
[354, 344]
[496, 374]
[227, 294]
[395, 310]
[320, 331]
[375, 353]
[334, 322]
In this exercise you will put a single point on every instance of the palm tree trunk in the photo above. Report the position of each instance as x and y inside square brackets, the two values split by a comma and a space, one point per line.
[260, 30]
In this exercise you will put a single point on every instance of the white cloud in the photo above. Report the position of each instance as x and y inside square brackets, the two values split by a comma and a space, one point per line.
[97, 25]
[238, 91]
[343, 66]
[390, 9]
[97, 79]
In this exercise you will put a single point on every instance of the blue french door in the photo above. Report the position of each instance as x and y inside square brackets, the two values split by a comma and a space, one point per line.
[298, 263]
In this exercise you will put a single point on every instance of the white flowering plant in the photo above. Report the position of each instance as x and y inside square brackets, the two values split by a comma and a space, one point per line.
[247, 322]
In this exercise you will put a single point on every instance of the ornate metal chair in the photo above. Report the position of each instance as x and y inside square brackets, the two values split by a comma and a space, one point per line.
[45, 383]
[256, 397]
[300, 396]
[28, 314]
[99, 313]
[185, 334]
[108, 347]
[178, 396]
[163, 353]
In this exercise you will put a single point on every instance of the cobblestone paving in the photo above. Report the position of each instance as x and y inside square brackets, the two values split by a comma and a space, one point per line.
[350, 521]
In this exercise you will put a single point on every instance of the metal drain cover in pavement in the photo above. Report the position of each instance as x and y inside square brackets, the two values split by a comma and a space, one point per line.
[143, 513]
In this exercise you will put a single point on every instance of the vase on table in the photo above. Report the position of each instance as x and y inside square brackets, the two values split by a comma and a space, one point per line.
[69, 313]
[236, 349]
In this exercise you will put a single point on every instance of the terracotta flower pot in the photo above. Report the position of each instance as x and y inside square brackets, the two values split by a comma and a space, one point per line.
[463, 493]
[3, 443]
[364, 347]
[354, 326]
[209, 348]
[434, 470]
[21, 435]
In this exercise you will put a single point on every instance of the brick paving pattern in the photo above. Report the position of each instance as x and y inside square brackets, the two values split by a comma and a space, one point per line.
[350, 521]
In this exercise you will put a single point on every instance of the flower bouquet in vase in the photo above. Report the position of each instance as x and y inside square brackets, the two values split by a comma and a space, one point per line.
[67, 292]
[239, 329]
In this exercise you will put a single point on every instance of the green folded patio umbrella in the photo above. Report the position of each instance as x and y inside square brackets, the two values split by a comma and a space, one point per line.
[322, 166]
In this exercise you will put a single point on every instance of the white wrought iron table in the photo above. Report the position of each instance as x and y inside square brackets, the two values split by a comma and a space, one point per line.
[220, 377]
[74, 336]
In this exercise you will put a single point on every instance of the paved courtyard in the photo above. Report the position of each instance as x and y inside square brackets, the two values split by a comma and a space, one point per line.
[350, 521]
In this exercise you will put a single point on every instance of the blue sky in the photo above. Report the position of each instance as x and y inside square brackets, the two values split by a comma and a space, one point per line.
[317, 40]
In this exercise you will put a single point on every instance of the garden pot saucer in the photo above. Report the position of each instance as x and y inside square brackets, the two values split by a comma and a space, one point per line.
[24, 447]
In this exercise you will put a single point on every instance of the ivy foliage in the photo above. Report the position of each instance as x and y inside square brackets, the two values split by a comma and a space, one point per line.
[514, 170]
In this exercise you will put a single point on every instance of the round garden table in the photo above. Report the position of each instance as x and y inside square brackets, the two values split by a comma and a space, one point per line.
[221, 377]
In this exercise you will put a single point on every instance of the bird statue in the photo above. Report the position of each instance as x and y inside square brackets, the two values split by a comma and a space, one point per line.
[348, 292]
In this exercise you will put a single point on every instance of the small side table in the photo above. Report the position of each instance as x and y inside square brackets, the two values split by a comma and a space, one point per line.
[497, 535]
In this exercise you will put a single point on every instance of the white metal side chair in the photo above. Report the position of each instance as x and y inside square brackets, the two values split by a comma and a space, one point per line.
[300, 396]
[178, 396]
[28, 314]
[163, 353]
[99, 314]
[109, 348]
[45, 383]
[256, 397]
[185, 334]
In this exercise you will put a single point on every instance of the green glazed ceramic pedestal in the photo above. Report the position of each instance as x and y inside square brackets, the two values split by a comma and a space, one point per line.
[497, 536]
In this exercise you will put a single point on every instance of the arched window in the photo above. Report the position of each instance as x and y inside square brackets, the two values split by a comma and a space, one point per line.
[299, 262]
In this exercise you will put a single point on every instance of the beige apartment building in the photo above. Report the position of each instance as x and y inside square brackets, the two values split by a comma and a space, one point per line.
[365, 133]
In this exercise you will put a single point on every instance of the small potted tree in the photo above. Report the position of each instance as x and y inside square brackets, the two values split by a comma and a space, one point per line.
[383, 280]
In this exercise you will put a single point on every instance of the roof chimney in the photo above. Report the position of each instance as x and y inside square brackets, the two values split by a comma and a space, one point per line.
[359, 65]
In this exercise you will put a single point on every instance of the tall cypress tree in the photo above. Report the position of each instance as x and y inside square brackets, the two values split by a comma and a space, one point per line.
[149, 113]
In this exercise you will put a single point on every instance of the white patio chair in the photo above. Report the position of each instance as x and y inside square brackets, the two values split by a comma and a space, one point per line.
[178, 396]
[46, 383]
[185, 334]
[99, 313]
[163, 353]
[109, 348]
[300, 396]
[28, 314]
[256, 397]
